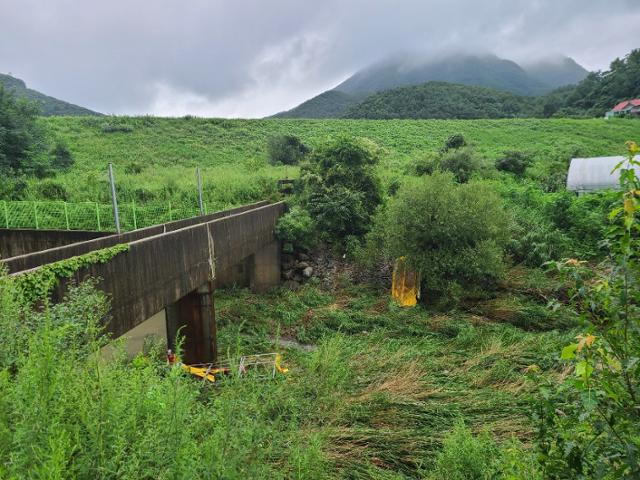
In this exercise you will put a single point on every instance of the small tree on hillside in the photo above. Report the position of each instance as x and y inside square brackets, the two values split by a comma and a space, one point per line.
[339, 191]
[454, 235]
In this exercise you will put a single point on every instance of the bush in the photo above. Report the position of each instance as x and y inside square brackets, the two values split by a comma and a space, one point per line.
[514, 161]
[115, 126]
[62, 157]
[453, 234]
[340, 189]
[454, 142]
[465, 457]
[463, 163]
[296, 228]
[52, 190]
[286, 150]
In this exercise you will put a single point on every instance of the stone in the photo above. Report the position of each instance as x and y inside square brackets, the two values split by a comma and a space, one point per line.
[302, 265]
[307, 272]
[288, 274]
[303, 256]
[291, 285]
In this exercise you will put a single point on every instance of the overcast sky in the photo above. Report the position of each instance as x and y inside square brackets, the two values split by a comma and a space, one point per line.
[251, 58]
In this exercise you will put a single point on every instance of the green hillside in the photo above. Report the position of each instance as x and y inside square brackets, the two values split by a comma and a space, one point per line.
[155, 158]
[329, 104]
[486, 71]
[443, 100]
[599, 91]
[48, 105]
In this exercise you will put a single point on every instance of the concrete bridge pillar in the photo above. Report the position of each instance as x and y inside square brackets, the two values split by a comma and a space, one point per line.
[265, 268]
[193, 317]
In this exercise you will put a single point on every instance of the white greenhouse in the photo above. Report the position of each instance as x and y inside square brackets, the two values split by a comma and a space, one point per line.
[592, 174]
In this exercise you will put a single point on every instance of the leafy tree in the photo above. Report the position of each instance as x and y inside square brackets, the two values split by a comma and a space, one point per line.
[22, 142]
[340, 189]
[286, 150]
[589, 424]
[453, 234]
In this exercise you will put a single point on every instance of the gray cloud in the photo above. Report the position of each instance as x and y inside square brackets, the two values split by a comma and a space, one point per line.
[255, 57]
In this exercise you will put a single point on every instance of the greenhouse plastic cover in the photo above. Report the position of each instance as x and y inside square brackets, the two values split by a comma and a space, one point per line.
[589, 174]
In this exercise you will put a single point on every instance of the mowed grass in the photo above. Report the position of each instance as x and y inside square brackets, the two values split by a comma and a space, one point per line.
[155, 158]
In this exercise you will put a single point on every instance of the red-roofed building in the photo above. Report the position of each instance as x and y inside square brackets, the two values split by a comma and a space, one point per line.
[628, 107]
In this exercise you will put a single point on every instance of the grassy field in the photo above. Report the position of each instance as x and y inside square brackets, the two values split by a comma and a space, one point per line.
[434, 392]
[155, 158]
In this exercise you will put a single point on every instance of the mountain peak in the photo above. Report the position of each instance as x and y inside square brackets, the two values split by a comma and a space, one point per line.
[48, 105]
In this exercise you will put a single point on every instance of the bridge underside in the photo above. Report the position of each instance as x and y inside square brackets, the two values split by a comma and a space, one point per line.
[174, 267]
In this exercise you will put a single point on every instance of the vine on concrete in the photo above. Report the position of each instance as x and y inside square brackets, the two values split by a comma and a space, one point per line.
[36, 285]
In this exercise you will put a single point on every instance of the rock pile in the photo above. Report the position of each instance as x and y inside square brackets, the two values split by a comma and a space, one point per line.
[296, 268]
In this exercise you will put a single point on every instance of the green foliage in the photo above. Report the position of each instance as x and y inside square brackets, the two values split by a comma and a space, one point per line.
[588, 426]
[514, 161]
[116, 125]
[600, 91]
[62, 157]
[453, 234]
[22, 141]
[463, 163]
[465, 457]
[296, 228]
[286, 150]
[454, 141]
[340, 189]
[36, 285]
[443, 100]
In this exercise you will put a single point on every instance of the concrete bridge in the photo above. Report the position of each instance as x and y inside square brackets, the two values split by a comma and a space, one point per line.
[169, 272]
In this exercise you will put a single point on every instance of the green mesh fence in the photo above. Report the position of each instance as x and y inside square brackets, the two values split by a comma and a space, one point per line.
[89, 215]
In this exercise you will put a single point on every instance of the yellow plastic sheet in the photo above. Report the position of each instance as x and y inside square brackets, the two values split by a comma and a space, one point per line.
[405, 287]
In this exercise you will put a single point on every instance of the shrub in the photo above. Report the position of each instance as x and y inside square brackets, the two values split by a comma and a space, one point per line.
[514, 161]
[340, 189]
[286, 150]
[62, 157]
[453, 142]
[463, 163]
[52, 190]
[453, 234]
[464, 456]
[134, 168]
[115, 126]
[297, 229]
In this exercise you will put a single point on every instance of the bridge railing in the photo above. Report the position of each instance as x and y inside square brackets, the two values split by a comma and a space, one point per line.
[51, 215]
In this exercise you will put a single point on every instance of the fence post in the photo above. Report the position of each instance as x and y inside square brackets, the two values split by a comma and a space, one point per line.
[135, 220]
[98, 216]
[114, 200]
[66, 215]
[6, 214]
[35, 213]
[199, 191]
[170, 212]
